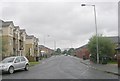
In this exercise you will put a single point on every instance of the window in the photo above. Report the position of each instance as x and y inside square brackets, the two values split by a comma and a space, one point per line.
[22, 59]
[8, 60]
[17, 60]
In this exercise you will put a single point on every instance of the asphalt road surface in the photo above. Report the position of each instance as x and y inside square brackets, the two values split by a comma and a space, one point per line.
[60, 67]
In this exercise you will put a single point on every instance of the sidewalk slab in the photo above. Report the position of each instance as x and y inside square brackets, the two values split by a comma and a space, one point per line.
[109, 68]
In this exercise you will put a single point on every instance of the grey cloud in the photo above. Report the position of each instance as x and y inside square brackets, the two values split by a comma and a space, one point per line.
[65, 22]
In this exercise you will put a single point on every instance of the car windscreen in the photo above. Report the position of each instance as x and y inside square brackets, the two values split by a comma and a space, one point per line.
[8, 60]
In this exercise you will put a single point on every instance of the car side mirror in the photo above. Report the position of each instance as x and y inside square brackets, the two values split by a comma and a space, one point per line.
[15, 62]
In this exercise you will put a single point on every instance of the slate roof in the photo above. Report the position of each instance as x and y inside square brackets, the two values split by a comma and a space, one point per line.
[22, 30]
[29, 36]
[114, 39]
[7, 23]
[16, 27]
[43, 47]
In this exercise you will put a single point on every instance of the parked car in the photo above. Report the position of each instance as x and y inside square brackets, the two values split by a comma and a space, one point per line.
[10, 64]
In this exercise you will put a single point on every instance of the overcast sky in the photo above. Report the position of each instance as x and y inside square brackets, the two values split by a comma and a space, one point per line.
[63, 21]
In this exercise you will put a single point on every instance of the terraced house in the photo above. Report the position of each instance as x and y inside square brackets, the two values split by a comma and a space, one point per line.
[7, 38]
[16, 42]
[22, 42]
[32, 48]
[19, 41]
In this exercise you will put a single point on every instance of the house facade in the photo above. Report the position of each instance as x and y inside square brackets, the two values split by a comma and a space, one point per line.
[16, 38]
[16, 42]
[7, 38]
[45, 51]
[82, 52]
[32, 47]
[22, 42]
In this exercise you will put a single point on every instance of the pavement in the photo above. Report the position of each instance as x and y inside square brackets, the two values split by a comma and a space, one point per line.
[108, 68]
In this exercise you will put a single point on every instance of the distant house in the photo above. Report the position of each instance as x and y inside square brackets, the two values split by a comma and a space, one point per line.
[45, 51]
[83, 50]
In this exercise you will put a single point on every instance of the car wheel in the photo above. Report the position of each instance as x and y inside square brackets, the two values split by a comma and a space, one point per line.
[26, 67]
[11, 70]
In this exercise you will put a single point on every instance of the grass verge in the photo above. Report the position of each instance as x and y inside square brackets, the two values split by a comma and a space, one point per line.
[34, 63]
[112, 62]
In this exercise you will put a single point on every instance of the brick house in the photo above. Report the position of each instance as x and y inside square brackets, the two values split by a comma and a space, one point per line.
[82, 51]
[45, 51]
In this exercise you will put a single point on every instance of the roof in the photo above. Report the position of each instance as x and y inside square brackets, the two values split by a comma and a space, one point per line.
[16, 27]
[1, 21]
[7, 23]
[114, 39]
[84, 46]
[22, 30]
[36, 39]
[43, 47]
[29, 36]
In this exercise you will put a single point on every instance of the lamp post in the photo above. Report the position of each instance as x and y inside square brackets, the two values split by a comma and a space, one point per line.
[95, 29]
[54, 42]
[54, 45]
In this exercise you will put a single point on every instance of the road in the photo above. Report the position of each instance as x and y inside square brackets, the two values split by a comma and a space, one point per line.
[60, 67]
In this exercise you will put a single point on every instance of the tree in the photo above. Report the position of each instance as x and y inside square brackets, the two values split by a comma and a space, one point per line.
[58, 51]
[65, 52]
[105, 47]
[70, 51]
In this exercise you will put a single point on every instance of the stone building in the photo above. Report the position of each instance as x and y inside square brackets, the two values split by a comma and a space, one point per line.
[7, 38]
[32, 48]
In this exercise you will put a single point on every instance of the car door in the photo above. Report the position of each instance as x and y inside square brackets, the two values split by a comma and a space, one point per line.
[23, 62]
[17, 63]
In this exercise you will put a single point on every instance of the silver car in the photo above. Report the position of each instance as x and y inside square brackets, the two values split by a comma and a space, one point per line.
[10, 64]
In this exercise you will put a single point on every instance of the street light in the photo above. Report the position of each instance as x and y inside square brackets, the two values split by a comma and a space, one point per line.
[54, 41]
[96, 30]
[44, 39]
[54, 45]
